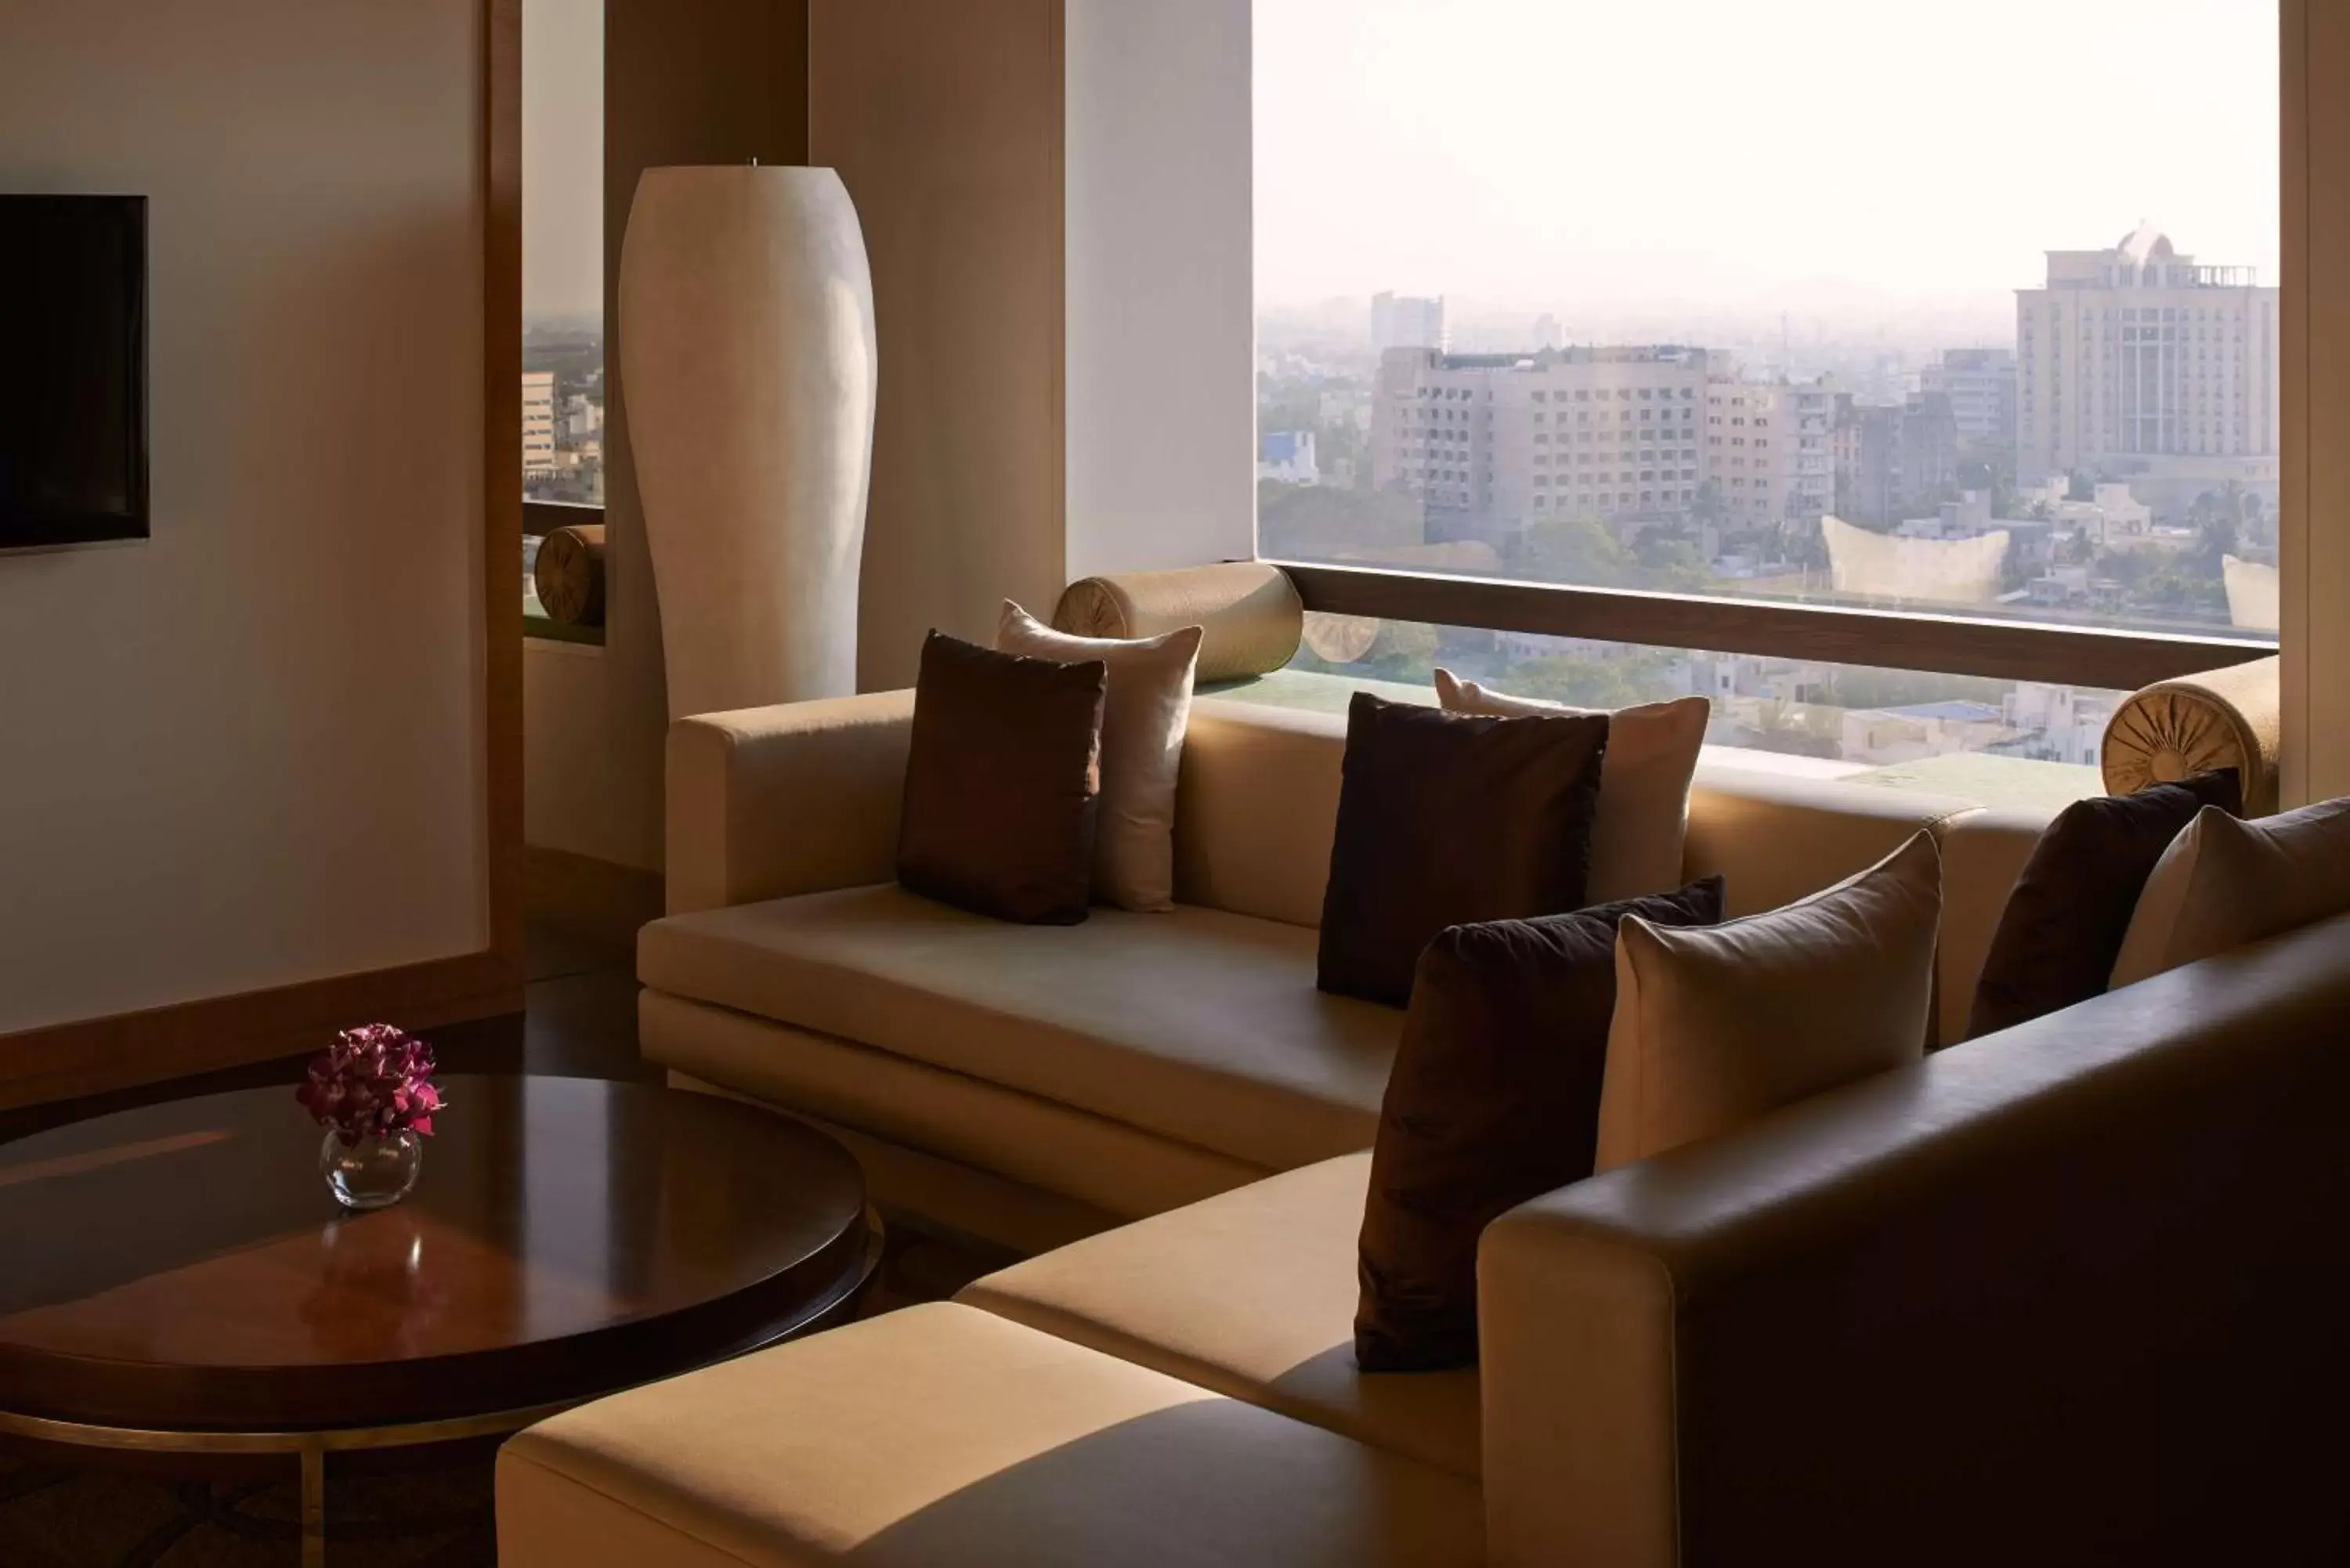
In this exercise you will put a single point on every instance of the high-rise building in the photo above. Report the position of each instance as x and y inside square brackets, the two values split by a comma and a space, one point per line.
[1893, 459]
[2138, 363]
[1981, 384]
[1490, 441]
[1748, 446]
[1401, 321]
[538, 424]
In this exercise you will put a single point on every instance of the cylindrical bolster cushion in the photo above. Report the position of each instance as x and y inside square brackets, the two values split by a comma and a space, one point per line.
[1249, 611]
[2226, 719]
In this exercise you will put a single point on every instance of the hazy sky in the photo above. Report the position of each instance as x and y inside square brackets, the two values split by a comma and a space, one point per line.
[1595, 155]
[562, 157]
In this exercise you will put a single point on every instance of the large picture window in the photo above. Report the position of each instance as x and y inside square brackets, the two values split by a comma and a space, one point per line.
[563, 272]
[1825, 303]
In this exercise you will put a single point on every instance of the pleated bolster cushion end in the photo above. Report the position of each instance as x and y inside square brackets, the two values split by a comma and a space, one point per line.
[1250, 613]
[2172, 729]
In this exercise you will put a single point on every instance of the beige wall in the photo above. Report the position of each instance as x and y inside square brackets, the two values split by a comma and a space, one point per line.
[945, 120]
[250, 751]
[1161, 335]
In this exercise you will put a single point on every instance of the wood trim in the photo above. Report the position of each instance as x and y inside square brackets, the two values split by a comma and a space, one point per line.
[99, 1055]
[92, 1055]
[2294, 159]
[591, 898]
[2313, 332]
[542, 517]
[2014, 651]
[501, 474]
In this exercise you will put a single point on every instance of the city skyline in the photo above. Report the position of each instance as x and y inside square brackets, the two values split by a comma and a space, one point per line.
[1784, 169]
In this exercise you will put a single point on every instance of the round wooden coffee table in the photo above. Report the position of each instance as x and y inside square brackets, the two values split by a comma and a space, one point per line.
[177, 1278]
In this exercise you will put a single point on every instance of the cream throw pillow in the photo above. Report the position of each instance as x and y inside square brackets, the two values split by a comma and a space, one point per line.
[1716, 1026]
[1644, 782]
[1144, 716]
[2225, 882]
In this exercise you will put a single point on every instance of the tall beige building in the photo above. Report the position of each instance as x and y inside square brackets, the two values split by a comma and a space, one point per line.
[1607, 432]
[538, 424]
[1623, 434]
[2138, 363]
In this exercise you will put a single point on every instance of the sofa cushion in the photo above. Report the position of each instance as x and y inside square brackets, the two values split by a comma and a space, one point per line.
[939, 1437]
[1493, 1099]
[1003, 782]
[2224, 883]
[1716, 1025]
[1119, 1170]
[2062, 927]
[1644, 785]
[1444, 818]
[1194, 1024]
[1144, 712]
[1251, 1294]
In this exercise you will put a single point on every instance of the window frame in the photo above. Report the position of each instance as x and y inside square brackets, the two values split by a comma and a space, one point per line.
[1833, 634]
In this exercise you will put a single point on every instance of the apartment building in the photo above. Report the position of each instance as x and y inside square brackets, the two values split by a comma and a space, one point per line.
[2138, 362]
[1980, 384]
[538, 424]
[1402, 321]
[1487, 440]
[1889, 458]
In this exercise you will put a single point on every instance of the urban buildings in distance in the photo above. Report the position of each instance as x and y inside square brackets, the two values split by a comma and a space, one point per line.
[1401, 321]
[2114, 465]
[563, 411]
[2138, 364]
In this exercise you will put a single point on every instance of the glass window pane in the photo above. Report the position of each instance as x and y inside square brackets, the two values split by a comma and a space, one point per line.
[2022, 743]
[562, 249]
[1844, 330]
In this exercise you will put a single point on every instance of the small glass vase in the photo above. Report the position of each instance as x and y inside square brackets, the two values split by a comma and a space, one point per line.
[373, 1173]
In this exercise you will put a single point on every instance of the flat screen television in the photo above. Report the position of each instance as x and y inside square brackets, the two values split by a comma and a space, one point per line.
[73, 370]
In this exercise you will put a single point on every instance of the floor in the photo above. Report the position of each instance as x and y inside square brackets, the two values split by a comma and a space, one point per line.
[580, 1020]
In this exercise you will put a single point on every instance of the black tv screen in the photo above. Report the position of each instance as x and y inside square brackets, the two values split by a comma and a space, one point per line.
[73, 370]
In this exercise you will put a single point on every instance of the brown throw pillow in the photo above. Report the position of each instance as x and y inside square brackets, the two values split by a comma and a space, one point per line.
[2062, 926]
[1652, 750]
[1445, 819]
[1493, 1100]
[1003, 782]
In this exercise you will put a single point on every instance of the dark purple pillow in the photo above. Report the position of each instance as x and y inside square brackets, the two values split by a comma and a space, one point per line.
[1493, 1099]
[2063, 924]
[1447, 818]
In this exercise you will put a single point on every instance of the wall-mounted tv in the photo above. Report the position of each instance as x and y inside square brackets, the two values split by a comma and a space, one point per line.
[73, 370]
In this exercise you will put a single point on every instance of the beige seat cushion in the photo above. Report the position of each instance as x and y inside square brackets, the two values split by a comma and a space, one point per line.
[1194, 1024]
[1718, 1025]
[1252, 1295]
[940, 1437]
[1121, 1170]
[1644, 782]
[2224, 883]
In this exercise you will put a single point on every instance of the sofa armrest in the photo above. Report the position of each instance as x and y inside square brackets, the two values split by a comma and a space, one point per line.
[2070, 1291]
[796, 798]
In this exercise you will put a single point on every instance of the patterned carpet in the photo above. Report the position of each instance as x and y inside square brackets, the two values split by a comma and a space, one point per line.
[87, 1519]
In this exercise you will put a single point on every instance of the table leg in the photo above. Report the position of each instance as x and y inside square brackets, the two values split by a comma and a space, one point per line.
[314, 1505]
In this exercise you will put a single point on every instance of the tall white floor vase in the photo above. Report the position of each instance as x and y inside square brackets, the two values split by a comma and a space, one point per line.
[748, 369]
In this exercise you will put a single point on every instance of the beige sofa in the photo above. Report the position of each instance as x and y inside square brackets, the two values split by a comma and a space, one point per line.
[1028, 1085]
[2065, 1294]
